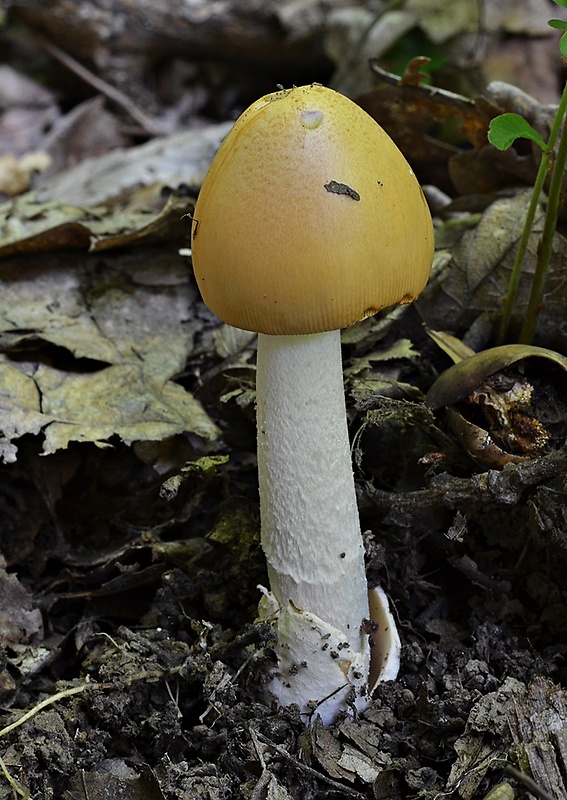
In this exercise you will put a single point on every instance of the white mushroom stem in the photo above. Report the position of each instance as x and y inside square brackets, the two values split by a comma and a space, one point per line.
[310, 527]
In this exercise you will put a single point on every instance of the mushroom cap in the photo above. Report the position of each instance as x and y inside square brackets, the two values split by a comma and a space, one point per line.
[309, 218]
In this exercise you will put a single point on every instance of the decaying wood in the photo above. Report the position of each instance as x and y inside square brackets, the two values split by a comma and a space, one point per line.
[482, 747]
[446, 491]
[539, 730]
[266, 31]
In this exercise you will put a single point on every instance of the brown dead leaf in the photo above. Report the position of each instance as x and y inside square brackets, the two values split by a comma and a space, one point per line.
[20, 621]
[445, 21]
[435, 129]
[407, 111]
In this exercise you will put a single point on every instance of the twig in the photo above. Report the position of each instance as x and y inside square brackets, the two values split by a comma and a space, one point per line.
[527, 782]
[448, 491]
[15, 786]
[432, 93]
[17, 789]
[339, 787]
[150, 126]
[44, 703]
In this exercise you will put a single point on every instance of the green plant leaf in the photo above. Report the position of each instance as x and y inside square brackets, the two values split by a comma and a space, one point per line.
[562, 26]
[561, 3]
[557, 23]
[505, 129]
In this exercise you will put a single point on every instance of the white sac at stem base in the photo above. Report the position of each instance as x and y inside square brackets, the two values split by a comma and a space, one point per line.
[319, 670]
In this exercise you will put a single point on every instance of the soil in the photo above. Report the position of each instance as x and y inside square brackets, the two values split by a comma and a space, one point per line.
[132, 667]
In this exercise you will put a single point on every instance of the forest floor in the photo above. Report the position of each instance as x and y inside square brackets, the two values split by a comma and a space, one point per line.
[131, 663]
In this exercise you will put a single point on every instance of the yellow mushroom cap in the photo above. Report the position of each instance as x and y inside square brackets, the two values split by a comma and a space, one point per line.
[309, 218]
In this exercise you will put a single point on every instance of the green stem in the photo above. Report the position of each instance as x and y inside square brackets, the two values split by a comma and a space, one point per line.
[545, 249]
[510, 298]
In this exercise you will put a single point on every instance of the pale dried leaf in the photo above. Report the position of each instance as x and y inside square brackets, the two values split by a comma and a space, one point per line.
[524, 17]
[359, 764]
[276, 790]
[230, 341]
[168, 160]
[402, 348]
[19, 408]
[444, 21]
[130, 316]
[27, 111]
[451, 345]
[120, 401]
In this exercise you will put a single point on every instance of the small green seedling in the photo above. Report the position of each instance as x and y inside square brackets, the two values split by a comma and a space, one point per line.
[502, 133]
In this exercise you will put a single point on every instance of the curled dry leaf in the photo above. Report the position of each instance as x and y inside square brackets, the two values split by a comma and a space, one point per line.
[29, 226]
[505, 405]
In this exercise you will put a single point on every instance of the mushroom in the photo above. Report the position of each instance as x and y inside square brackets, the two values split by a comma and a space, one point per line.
[308, 220]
